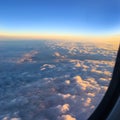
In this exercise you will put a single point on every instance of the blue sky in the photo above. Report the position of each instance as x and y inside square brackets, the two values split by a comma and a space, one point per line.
[60, 16]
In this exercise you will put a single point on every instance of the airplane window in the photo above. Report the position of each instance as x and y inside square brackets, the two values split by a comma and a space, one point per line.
[56, 58]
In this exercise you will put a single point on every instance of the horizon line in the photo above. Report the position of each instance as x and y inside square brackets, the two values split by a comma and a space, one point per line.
[27, 36]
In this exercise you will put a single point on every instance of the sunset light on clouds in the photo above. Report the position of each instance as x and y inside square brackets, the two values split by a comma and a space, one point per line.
[56, 57]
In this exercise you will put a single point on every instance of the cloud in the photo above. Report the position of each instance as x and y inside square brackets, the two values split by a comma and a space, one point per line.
[15, 119]
[87, 102]
[67, 89]
[57, 54]
[47, 66]
[66, 117]
[64, 108]
[65, 96]
[28, 57]
[67, 82]
[83, 84]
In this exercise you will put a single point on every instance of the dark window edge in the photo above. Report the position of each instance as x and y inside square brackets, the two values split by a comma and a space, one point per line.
[109, 100]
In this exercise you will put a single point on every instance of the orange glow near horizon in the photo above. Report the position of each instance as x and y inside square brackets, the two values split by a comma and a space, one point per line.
[33, 36]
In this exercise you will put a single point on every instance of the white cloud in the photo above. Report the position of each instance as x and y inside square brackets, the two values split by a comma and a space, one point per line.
[83, 84]
[57, 54]
[64, 108]
[28, 57]
[47, 66]
[67, 82]
[87, 102]
[66, 117]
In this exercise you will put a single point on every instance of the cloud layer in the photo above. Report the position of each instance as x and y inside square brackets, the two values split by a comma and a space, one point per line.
[50, 80]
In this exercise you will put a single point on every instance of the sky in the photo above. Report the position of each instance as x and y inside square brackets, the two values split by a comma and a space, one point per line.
[60, 17]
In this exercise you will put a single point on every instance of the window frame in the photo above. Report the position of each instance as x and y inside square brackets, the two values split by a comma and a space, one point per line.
[110, 99]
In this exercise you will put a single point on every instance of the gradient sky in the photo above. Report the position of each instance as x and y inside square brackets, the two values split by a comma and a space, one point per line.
[73, 17]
